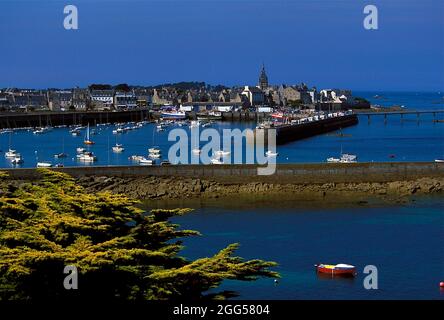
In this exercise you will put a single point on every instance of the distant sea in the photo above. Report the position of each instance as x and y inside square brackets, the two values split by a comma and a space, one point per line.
[412, 139]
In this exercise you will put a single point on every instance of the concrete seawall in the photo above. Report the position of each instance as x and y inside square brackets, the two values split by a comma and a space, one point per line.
[285, 173]
[37, 119]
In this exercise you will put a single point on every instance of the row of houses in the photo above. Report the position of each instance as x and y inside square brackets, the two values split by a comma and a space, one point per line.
[123, 97]
[72, 99]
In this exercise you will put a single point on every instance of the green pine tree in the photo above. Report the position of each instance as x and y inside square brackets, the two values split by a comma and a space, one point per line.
[120, 250]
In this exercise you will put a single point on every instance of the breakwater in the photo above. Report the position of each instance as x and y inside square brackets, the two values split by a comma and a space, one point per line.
[292, 132]
[41, 119]
[289, 133]
[348, 182]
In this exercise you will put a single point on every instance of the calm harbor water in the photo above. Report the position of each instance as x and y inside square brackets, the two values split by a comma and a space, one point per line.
[403, 241]
[412, 139]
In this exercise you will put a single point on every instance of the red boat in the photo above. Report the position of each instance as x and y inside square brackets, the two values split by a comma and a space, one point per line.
[336, 270]
[277, 115]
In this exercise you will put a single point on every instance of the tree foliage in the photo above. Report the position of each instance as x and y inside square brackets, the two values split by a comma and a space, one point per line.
[120, 250]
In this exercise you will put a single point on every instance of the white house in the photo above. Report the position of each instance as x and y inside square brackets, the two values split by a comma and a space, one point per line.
[254, 95]
[106, 97]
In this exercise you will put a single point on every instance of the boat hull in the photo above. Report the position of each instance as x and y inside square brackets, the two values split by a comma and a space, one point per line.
[335, 271]
[173, 116]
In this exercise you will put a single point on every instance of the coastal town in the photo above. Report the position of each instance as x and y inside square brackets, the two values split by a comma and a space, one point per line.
[183, 96]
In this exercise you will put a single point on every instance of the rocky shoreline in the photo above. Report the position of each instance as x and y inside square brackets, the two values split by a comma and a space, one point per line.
[168, 188]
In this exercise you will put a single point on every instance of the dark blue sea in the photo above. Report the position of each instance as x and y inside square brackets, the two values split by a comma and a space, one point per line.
[404, 242]
[412, 139]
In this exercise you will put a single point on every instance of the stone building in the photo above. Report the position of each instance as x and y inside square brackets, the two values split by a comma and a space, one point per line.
[263, 79]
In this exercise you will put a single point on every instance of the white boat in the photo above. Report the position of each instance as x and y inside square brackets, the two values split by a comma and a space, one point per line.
[44, 165]
[173, 115]
[118, 130]
[41, 130]
[270, 153]
[80, 150]
[11, 153]
[439, 160]
[60, 155]
[136, 158]
[17, 159]
[154, 155]
[216, 161]
[118, 148]
[212, 115]
[194, 124]
[345, 158]
[154, 150]
[87, 157]
[348, 158]
[222, 153]
[146, 162]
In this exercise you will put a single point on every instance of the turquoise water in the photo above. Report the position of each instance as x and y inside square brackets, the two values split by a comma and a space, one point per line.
[411, 139]
[405, 243]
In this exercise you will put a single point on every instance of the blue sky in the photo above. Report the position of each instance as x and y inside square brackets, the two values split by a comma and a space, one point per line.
[320, 42]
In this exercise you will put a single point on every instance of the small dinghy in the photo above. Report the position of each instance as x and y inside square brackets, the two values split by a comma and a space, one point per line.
[336, 270]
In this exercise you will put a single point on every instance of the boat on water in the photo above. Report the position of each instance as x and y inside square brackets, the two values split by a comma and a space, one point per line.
[135, 158]
[88, 140]
[221, 153]
[173, 115]
[41, 130]
[75, 132]
[439, 160]
[348, 158]
[11, 153]
[17, 159]
[270, 154]
[154, 150]
[340, 269]
[44, 165]
[60, 155]
[145, 162]
[345, 158]
[216, 161]
[212, 115]
[277, 115]
[154, 155]
[118, 148]
[87, 157]
[195, 124]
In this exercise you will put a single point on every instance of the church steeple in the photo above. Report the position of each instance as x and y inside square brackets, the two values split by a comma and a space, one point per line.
[263, 79]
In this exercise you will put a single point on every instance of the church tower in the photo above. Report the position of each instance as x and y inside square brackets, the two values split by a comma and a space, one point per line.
[263, 79]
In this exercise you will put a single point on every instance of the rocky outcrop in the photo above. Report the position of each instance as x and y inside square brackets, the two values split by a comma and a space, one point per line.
[186, 188]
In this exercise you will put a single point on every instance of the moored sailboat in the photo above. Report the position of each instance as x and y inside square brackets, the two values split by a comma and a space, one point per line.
[88, 140]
